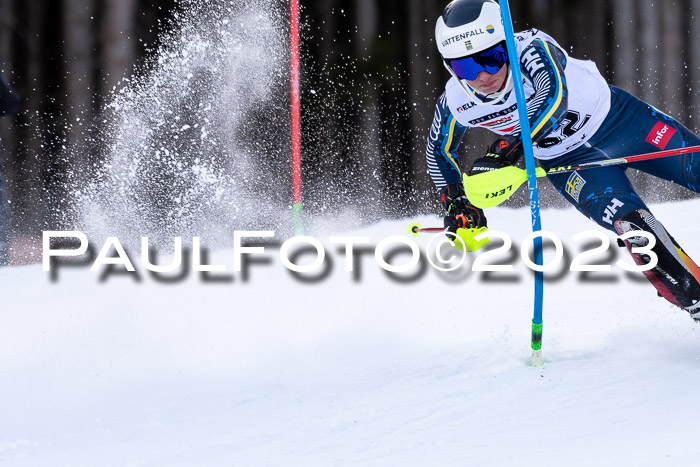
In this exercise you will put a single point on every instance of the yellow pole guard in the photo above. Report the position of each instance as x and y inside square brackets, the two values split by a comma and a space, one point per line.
[468, 240]
[489, 189]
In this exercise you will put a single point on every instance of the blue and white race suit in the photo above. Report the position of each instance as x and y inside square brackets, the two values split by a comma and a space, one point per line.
[575, 117]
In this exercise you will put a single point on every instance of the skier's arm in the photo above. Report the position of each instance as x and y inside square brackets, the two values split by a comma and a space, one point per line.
[445, 135]
[544, 64]
[462, 220]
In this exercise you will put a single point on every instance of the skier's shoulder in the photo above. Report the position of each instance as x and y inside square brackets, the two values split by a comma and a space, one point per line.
[524, 38]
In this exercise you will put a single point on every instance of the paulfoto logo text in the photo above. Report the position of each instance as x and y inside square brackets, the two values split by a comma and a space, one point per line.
[394, 254]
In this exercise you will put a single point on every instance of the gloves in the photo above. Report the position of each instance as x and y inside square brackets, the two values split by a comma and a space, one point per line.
[503, 152]
[463, 220]
[460, 213]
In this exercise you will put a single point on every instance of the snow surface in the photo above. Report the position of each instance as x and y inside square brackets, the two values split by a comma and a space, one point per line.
[350, 370]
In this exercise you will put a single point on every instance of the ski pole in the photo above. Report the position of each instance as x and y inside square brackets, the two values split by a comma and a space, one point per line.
[624, 160]
[466, 237]
[416, 229]
[489, 189]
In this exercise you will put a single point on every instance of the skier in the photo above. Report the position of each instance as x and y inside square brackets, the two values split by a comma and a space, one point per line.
[575, 117]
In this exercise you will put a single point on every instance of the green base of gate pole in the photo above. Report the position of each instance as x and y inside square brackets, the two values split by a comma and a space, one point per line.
[536, 344]
[298, 224]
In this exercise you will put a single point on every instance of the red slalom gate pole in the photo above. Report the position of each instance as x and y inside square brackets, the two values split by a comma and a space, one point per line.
[296, 117]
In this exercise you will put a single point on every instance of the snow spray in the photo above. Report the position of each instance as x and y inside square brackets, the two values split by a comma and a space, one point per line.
[197, 142]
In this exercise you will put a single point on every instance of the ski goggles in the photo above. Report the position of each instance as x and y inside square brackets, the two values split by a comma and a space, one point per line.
[489, 60]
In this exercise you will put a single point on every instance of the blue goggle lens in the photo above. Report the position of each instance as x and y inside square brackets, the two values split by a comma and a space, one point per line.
[490, 60]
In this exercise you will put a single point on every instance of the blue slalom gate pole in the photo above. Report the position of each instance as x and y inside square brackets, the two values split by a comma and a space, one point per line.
[526, 136]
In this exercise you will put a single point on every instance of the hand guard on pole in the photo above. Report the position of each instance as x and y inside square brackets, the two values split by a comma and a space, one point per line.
[503, 152]
[462, 220]
[460, 212]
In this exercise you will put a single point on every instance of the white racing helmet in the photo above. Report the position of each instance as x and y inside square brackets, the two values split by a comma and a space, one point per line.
[470, 38]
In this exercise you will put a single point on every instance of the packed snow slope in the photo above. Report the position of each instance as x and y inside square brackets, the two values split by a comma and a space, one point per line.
[354, 368]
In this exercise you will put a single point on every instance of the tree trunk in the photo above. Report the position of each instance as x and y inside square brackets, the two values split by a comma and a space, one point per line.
[670, 61]
[370, 149]
[119, 41]
[78, 49]
[694, 59]
[650, 53]
[6, 57]
[597, 43]
[31, 187]
[624, 49]
[424, 86]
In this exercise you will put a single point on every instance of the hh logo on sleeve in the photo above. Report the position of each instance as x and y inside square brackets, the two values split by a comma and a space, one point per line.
[660, 135]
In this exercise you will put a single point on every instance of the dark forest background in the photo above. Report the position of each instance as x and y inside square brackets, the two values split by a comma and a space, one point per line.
[371, 74]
